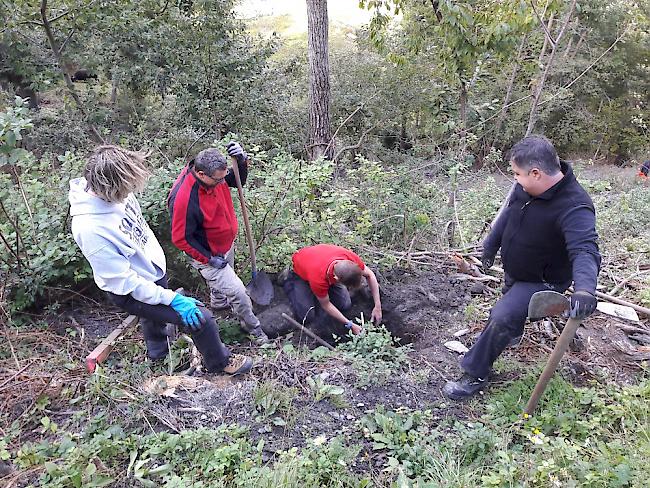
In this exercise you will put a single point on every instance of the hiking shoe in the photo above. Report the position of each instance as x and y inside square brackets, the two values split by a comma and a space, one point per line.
[259, 336]
[238, 364]
[465, 387]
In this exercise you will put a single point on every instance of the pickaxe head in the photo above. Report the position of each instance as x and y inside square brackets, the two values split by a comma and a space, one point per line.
[547, 303]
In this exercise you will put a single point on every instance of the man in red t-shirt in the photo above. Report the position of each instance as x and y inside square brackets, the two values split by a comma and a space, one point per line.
[321, 279]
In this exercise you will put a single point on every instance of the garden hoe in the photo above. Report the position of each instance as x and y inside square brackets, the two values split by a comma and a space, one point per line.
[260, 289]
[546, 304]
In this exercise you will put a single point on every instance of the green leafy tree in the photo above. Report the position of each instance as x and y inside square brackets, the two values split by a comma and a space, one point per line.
[457, 37]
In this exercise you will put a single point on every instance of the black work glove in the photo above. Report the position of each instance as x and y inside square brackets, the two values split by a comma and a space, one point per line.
[583, 304]
[218, 261]
[487, 260]
[236, 151]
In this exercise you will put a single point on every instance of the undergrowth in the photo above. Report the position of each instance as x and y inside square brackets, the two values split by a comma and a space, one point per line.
[596, 436]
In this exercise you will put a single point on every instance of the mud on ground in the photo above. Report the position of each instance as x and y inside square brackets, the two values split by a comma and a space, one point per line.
[421, 309]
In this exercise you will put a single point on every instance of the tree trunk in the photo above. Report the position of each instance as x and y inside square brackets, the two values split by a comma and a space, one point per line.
[462, 106]
[320, 132]
[511, 86]
[114, 88]
[549, 28]
[540, 85]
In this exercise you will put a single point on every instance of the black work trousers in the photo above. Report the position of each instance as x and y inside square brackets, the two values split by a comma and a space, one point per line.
[153, 320]
[506, 322]
[304, 304]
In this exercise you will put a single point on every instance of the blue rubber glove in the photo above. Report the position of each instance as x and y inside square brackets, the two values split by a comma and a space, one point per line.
[187, 308]
[236, 151]
[218, 261]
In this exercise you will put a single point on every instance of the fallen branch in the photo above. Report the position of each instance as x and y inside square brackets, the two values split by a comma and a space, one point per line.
[627, 280]
[644, 310]
[302, 328]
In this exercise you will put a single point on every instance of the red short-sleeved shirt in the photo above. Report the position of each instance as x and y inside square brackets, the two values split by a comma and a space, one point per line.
[314, 265]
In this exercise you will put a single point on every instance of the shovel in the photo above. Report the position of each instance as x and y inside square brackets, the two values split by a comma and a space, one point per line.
[260, 289]
[546, 304]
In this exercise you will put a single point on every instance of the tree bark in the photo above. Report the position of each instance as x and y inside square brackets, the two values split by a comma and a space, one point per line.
[511, 86]
[540, 85]
[462, 106]
[320, 131]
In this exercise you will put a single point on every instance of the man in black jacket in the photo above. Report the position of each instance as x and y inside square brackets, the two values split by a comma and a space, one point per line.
[547, 237]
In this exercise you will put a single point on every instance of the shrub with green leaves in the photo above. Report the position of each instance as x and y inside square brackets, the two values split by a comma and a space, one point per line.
[596, 436]
[375, 355]
[38, 248]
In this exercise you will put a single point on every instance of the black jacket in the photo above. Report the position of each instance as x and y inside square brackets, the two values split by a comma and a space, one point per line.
[549, 238]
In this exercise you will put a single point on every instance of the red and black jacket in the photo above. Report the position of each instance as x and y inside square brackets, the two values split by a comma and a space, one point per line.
[203, 219]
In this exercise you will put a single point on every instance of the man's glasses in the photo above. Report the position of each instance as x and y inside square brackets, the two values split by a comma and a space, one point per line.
[216, 180]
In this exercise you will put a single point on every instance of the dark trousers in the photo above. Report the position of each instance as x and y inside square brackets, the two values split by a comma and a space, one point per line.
[305, 305]
[153, 320]
[506, 322]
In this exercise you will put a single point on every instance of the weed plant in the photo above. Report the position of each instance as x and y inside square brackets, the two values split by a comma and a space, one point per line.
[375, 355]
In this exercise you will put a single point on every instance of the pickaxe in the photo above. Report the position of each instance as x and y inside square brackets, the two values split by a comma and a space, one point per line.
[548, 303]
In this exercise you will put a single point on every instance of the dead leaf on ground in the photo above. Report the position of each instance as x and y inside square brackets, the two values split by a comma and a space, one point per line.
[167, 385]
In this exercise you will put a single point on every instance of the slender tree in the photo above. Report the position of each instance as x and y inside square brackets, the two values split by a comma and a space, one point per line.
[539, 86]
[320, 132]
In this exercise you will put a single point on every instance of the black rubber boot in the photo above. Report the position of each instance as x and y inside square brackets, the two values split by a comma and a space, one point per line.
[155, 337]
[207, 341]
[466, 387]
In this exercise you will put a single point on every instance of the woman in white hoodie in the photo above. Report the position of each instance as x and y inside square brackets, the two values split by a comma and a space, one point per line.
[128, 262]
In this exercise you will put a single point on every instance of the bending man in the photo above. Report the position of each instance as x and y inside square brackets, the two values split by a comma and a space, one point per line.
[322, 278]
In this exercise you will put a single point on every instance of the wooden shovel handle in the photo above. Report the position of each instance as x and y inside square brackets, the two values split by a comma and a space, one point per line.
[561, 347]
[304, 329]
[244, 212]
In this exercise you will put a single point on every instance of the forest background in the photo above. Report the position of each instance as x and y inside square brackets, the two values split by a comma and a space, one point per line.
[420, 106]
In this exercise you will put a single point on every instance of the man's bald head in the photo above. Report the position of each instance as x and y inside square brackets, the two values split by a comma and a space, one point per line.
[348, 273]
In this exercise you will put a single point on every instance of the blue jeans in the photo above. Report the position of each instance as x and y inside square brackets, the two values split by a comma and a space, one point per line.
[506, 322]
[153, 319]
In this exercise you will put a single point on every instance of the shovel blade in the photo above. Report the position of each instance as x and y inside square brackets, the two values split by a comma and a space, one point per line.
[260, 289]
[547, 303]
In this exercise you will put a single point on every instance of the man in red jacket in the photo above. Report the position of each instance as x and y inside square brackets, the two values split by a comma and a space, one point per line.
[321, 279]
[204, 225]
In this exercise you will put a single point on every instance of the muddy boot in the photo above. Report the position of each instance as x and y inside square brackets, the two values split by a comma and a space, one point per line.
[238, 364]
[466, 387]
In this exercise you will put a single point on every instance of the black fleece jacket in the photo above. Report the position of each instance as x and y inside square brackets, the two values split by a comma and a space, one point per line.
[549, 238]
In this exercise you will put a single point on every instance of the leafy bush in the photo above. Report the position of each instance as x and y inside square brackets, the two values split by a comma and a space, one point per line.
[200, 457]
[38, 247]
[375, 355]
[579, 437]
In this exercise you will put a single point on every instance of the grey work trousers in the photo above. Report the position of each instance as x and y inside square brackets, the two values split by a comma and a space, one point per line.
[227, 289]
